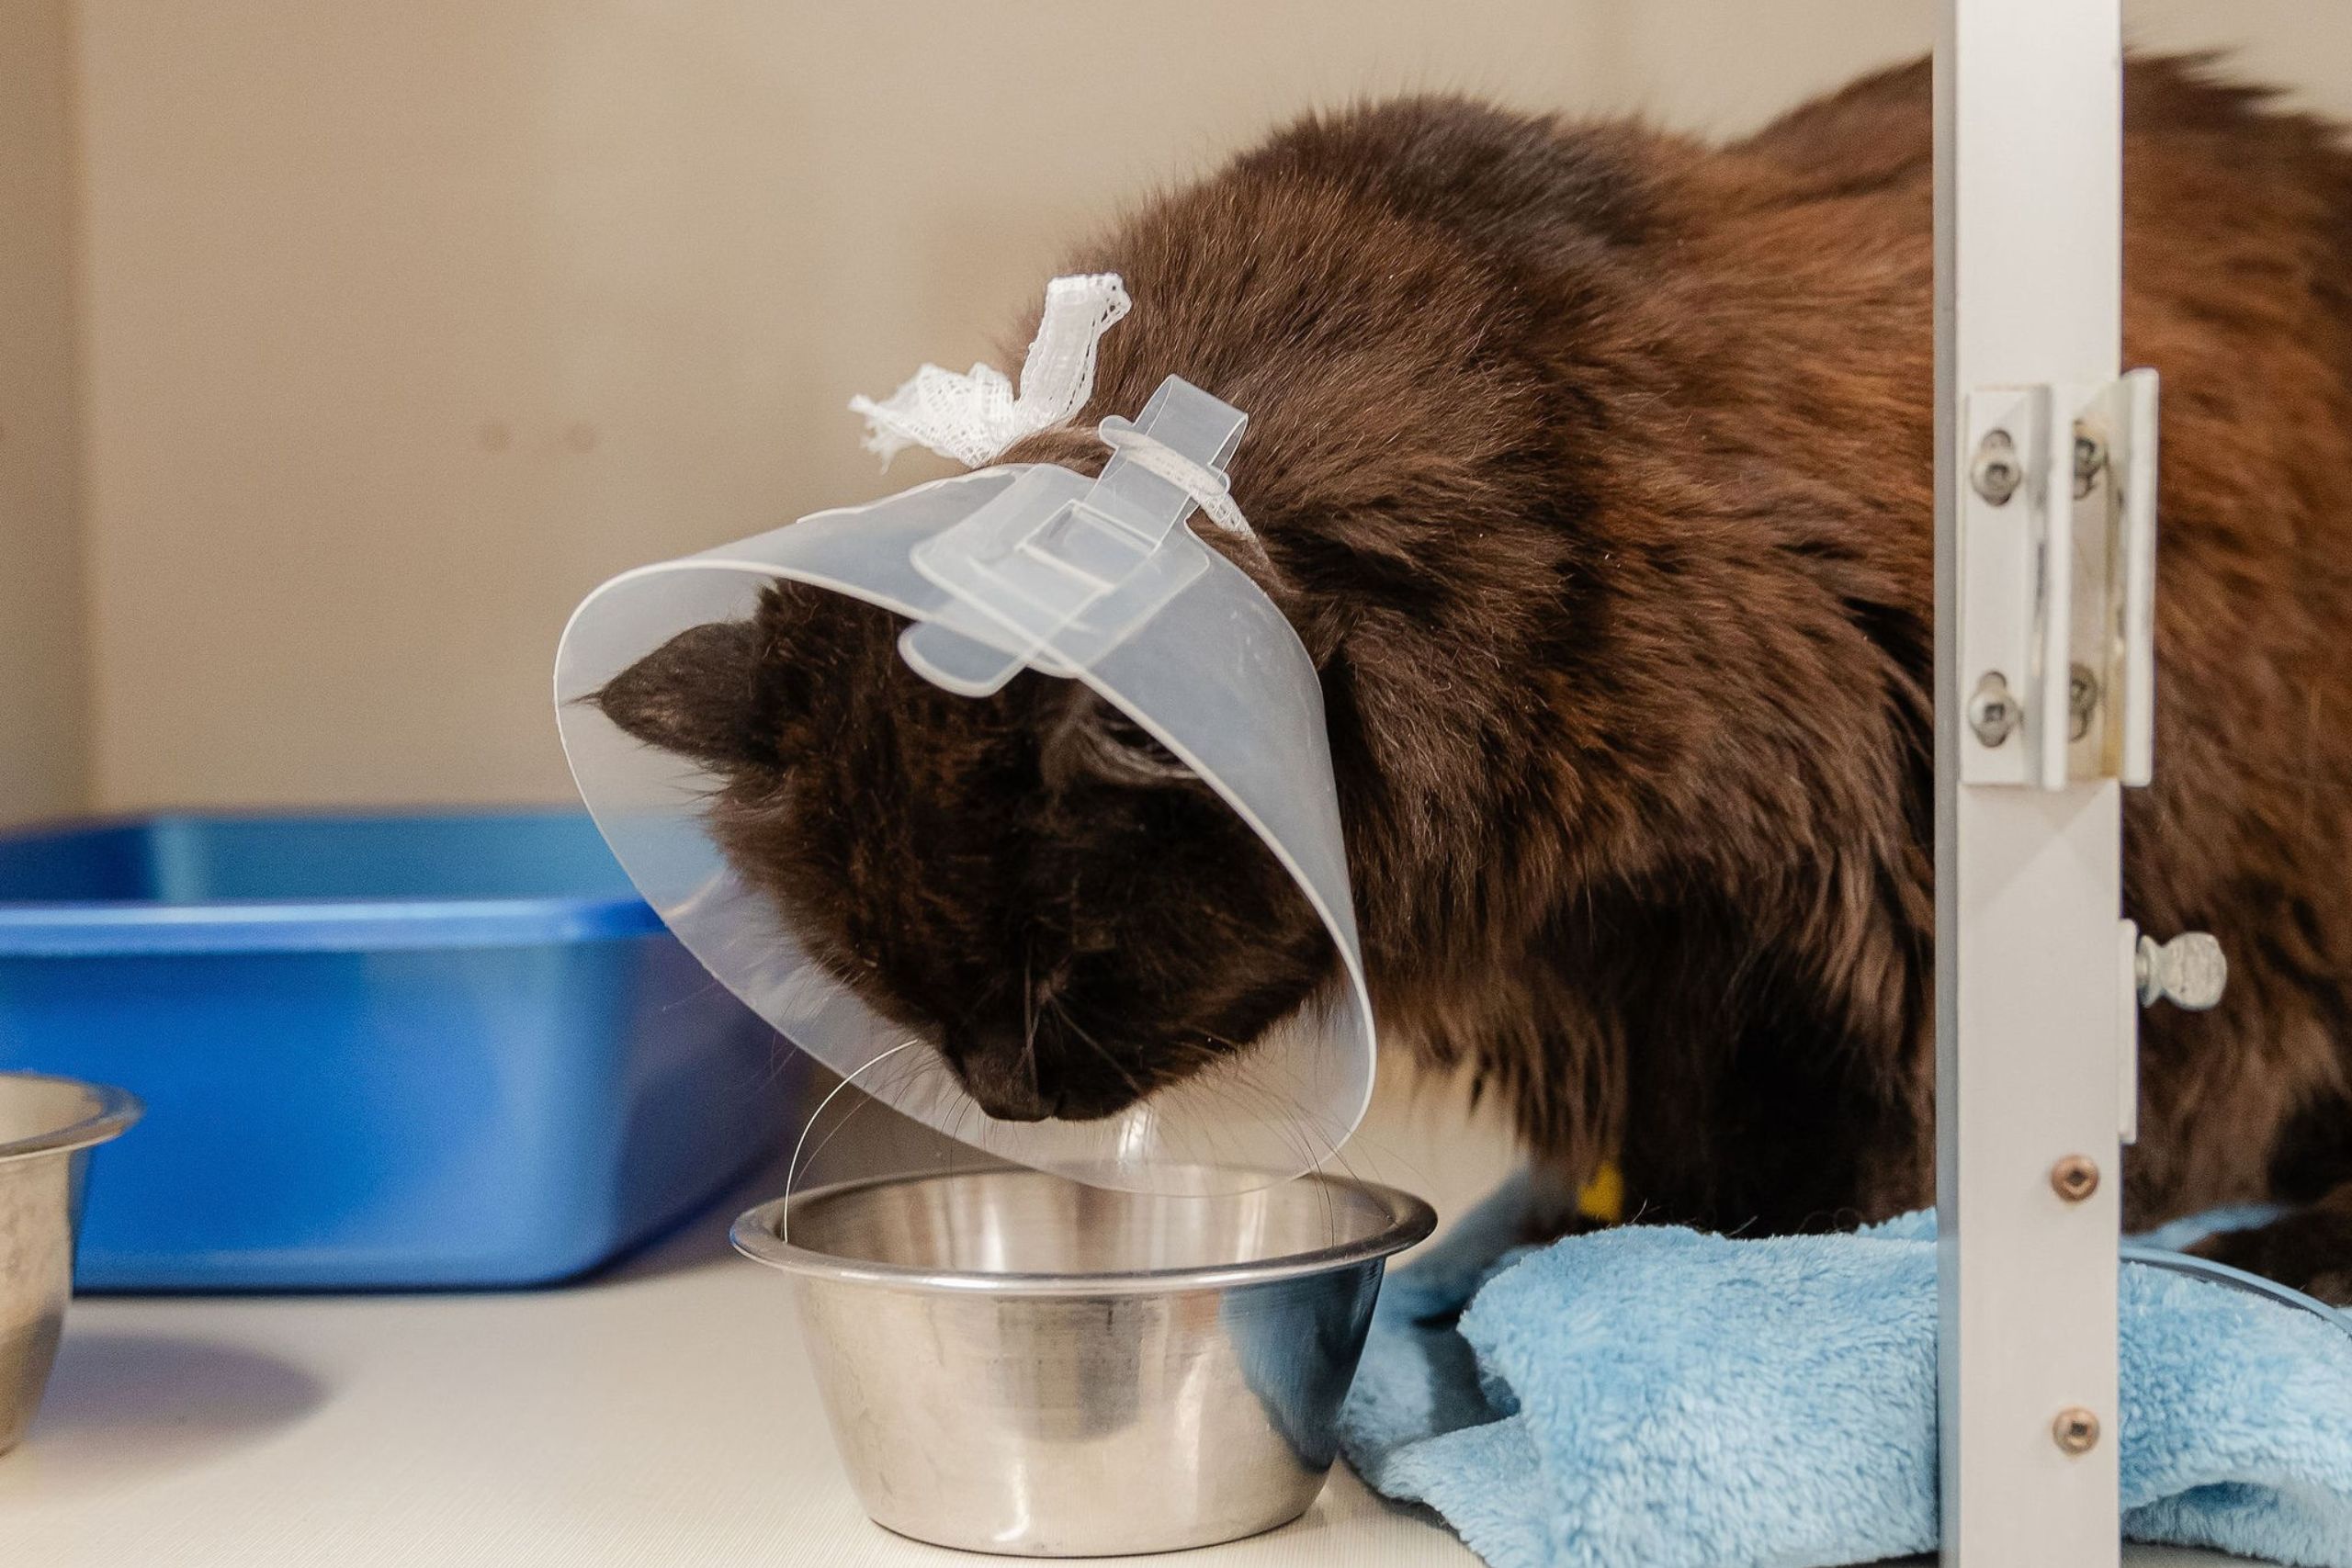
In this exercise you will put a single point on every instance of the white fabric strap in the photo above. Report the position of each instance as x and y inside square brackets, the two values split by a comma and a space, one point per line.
[974, 417]
[1210, 491]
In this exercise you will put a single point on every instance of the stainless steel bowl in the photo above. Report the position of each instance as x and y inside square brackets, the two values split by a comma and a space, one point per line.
[48, 1127]
[1016, 1363]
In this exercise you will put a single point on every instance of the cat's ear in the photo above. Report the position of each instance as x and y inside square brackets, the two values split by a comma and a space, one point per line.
[697, 694]
[1090, 740]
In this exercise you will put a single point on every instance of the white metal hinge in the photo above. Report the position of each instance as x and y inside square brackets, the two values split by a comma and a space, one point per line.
[2057, 629]
[2057, 563]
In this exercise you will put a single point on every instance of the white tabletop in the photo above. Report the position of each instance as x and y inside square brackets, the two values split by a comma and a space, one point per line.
[662, 1415]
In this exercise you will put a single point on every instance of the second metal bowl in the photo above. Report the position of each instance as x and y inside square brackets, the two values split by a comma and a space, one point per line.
[48, 1127]
[1016, 1363]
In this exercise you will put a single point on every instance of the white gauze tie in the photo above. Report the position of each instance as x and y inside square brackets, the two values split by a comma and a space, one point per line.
[973, 418]
[1210, 491]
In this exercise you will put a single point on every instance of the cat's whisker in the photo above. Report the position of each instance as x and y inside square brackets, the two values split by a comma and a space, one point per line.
[1029, 1008]
[1062, 1014]
[792, 1168]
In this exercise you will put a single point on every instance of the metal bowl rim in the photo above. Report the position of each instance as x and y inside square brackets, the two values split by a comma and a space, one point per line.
[117, 1109]
[1410, 1221]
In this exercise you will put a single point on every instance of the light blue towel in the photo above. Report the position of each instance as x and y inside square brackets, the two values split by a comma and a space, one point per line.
[1657, 1396]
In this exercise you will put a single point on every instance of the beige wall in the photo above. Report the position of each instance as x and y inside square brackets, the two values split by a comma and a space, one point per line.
[405, 324]
[42, 686]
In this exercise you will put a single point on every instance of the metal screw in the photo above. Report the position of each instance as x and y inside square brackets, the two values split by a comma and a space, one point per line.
[2075, 1431]
[2076, 1177]
[2082, 700]
[2191, 971]
[2090, 459]
[1997, 473]
[1992, 711]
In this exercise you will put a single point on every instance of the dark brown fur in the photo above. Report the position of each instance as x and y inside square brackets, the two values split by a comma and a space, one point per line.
[1593, 466]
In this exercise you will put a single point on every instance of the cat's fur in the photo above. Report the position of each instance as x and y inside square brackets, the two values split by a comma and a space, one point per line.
[1593, 466]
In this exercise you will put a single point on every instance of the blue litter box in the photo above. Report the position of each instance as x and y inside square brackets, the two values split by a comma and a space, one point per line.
[376, 1050]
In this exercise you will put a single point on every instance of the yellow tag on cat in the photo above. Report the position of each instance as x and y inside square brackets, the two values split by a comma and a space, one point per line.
[1604, 1198]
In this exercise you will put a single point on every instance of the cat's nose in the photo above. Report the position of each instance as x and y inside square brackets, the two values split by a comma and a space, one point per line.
[999, 1067]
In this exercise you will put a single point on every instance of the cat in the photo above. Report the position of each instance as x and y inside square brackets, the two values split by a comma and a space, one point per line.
[1593, 466]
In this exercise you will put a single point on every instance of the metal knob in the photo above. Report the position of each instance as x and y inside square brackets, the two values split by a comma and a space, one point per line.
[2189, 971]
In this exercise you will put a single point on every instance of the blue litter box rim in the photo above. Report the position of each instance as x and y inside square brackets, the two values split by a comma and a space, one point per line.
[110, 928]
[326, 925]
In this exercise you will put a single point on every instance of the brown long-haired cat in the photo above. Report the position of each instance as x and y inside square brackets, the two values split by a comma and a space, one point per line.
[1593, 466]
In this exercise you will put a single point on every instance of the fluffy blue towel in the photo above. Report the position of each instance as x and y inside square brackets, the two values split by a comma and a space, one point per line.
[1662, 1397]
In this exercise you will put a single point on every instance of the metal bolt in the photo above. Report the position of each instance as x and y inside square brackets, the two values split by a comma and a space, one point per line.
[1992, 711]
[2076, 1177]
[2090, 459]
[2076, 1431]
[2191, 971]
[2082, 700]
[1997, 473]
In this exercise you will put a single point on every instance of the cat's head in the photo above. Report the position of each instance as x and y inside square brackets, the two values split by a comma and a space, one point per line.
[1026, 879]
[1027, 876]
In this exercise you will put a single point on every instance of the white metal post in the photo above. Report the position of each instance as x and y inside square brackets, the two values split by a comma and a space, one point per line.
[2033, 1016]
